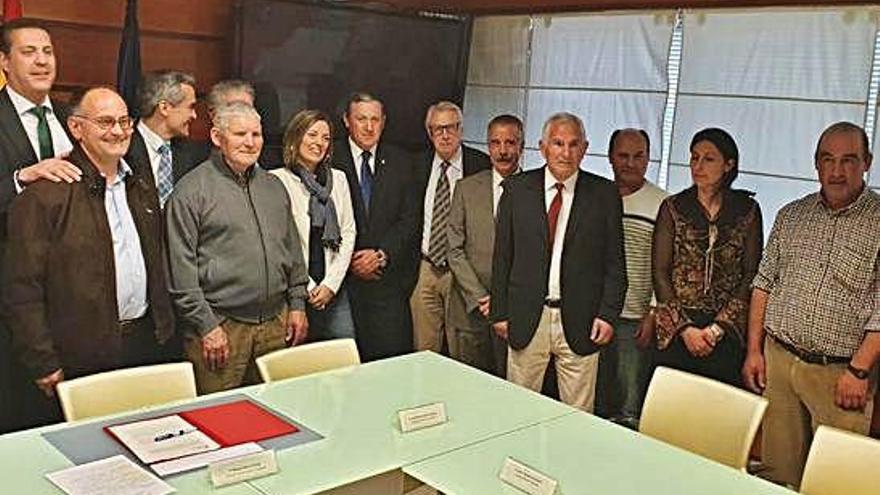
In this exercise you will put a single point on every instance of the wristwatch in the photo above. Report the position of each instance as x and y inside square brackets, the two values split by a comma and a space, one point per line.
[857, 372]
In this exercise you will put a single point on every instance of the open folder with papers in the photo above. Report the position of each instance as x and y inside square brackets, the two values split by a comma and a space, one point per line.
[199, 430]
[160, 439]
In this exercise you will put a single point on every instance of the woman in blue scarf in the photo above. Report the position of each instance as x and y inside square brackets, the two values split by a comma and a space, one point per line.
[322, 212]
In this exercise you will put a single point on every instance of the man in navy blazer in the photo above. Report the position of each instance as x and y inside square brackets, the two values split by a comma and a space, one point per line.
[382, 188]
[558, 275]
[447, 162]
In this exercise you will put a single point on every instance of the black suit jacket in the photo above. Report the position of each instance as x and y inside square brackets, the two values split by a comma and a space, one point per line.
[182, 153]
[391, 222]
[472, 161]
[593, 271]
[15, 149]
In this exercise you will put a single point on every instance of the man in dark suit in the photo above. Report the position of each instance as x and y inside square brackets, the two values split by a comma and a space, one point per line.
[558, 274]
[84, 283]
[380, 178]
[33, 140]
[167, 106]
[441, 168]
[471, 240]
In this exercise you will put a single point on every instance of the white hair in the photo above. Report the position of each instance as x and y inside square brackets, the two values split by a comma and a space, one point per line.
[563, 118]
[224, 114]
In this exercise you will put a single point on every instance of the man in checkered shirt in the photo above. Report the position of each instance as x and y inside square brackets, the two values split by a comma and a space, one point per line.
[814, 322]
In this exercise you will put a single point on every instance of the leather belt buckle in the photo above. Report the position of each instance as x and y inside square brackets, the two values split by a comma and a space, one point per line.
[811, 357]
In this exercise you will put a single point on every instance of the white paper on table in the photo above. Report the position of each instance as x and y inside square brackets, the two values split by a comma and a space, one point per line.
[116, 475]
[197, 461]
[141, 438]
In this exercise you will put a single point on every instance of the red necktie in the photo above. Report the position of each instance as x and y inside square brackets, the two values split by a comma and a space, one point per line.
[553, 215]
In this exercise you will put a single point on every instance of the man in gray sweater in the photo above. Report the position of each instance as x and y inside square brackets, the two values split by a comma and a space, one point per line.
[237, 273]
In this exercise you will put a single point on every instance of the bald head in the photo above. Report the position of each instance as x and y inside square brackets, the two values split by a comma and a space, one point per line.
[101, 125]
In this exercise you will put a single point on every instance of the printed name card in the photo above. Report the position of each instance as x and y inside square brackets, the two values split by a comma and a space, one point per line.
[524, 478]
[246, 467]
[422, 417]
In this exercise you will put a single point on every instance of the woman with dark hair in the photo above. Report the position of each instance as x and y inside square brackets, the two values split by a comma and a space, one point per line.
[322, 212]
[706, 249]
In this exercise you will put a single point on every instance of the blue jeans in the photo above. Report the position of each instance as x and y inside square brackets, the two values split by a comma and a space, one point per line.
[624, 372]
[334, 322]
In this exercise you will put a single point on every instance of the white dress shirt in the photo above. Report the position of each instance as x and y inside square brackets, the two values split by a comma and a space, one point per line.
[553, 282]
[497, 190]
[128, 257]
[453, 173]
[356, 153]
[152, 142]
[61, 144]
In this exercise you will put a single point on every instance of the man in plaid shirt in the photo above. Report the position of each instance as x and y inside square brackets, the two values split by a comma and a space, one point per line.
[814, 322]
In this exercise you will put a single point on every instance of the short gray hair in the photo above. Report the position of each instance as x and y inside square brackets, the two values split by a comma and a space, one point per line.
[217, 95]
[163, 85]
[224, 114]
[442, 106]
[563, 118]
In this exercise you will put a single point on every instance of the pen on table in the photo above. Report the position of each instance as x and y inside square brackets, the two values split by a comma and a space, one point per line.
[173, 434]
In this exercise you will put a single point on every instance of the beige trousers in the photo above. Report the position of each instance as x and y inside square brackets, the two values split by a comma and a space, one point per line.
[246, 343]
[801, 397]
[575, 374]
[428, 305]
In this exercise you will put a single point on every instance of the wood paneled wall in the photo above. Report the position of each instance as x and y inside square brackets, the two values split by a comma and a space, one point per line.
[196, 36]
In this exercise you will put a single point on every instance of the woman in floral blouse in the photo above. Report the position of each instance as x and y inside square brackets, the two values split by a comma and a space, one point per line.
[707, 246]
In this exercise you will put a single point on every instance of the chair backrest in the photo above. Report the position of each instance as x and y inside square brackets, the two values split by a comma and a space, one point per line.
[842, 463]
[126, 389]
[308, 358]
[704, 416]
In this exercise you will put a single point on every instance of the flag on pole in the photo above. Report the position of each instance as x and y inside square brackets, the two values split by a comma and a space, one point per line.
[128, 65]
[11, 10]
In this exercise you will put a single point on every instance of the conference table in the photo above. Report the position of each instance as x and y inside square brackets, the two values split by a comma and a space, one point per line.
[363, 450]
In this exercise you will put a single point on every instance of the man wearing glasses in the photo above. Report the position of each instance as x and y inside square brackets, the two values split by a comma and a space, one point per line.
[84, 276]
[448, 162]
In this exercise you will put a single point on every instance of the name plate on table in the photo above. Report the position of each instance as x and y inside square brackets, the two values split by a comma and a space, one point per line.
[524, 478]
[422, 417]
[246, 467]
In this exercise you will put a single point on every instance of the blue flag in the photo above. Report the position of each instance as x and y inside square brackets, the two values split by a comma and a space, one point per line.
[128, 66]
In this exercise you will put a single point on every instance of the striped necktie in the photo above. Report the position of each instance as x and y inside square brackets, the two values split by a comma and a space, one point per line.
[165, 182]
[439, 245]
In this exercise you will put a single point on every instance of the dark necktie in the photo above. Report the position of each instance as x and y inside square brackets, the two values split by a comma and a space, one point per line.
[553, 215]
[439, 245]
[44, 137]
[366, 180]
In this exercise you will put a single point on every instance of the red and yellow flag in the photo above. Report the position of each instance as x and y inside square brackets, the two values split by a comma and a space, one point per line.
[11, 10]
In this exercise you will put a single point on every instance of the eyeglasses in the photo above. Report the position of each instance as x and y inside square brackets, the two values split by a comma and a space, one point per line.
[453, 128]
[106, 123]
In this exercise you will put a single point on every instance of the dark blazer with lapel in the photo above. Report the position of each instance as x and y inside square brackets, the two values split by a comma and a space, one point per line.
[592, 275]
[181, 152]
[392, 222]
[15, 149]
[59, 285]
[472, 161]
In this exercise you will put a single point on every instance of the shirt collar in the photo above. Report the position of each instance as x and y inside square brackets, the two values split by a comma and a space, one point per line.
[454, 162]
[23, 105]
[356, 151]
[152, 140]
[861, 198]
[550, 181]
[497, 178]
[123, 171]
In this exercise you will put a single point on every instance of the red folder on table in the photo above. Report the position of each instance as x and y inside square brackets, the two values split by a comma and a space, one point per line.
[238, 422]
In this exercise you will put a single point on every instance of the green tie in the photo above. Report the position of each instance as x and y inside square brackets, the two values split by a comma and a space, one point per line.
[44, 137]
